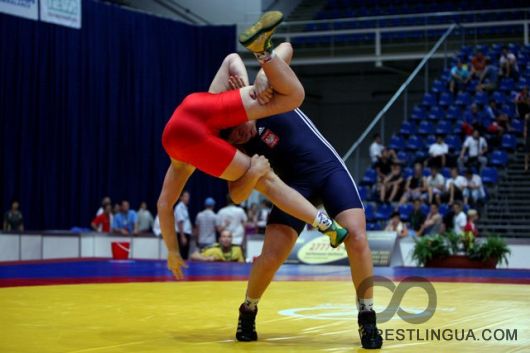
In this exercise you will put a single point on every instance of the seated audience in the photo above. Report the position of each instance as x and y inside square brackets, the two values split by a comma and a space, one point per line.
[474, 189]
[383, 166]
[396, 225]
[433, 223]
[125, 220]
[392, 185]
[473, 153]
[454, 187]
[376, 148]
[223, 251]
[102, 223]
[526, 137]
[459, 78]
[508, 64]
[13, 219]
[414, 186]
[472, 217]
[251, 227]
[233, 218]
[435, 184]
[416, 218]
[488, 79]
[144, 219]
[478, 64]
[438, 152]
[459, 218]
[522, 102]
[106, 200]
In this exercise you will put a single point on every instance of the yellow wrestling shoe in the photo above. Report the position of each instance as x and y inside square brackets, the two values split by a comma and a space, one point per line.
[336, 233]
[257, 38]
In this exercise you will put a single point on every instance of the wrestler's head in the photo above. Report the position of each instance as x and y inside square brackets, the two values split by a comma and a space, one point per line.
[240, 134]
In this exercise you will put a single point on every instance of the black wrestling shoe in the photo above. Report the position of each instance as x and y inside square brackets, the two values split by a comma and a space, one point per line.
[246, 325]
[370, 336]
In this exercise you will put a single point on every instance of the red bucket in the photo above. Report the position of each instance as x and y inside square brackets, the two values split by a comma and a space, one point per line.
[120, 250]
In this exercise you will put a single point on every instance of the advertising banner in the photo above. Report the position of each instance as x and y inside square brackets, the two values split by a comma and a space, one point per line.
[21, 8]
[61, 12]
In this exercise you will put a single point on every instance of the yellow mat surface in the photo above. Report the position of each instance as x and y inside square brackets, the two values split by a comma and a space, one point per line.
[294, 317]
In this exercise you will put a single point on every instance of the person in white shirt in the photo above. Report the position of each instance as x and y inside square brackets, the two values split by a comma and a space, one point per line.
[454, 187]
[508, 64]
[474, 188]
[459, 219]
[183, 224]
[206, 223]
[144, 219]
[233, 218]
[396, 225]
[376, 148]
[435, 184]
[476, 148]
[438, 152]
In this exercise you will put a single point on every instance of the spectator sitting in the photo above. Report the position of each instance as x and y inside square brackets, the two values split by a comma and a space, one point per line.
[472, 217]
[383, 166]
[206, 223]
[106, 200]
[13, 219]
[435, 184]
[454, 187]
[433, 223]
[508, 64]
[223, 251]
[476, 148]
[415, 185]
[459, 218]
[438, 153]
[478, 64]
[498, 122]
[416, 218]
[522, 102]
[459, 77]
[102, 222]
[474, 188]
[116, 209]
[183, 224]
[474, 117]
[124, 222]
[488, 79]
[392, 185]
[232, 218]
[263, 216]
[376, 148]
[144, 219]
[396, 225]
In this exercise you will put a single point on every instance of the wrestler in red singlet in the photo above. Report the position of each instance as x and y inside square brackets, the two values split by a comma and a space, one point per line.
[192, 133]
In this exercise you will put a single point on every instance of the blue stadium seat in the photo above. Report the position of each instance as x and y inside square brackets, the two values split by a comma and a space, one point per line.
[396, 143]
[404, 156]
[489, 175]
[446, 99]
[429, 140]
[426, 171]
[370, 177]
[429, 100]
[418, 113]
[443, 209]
[454, 142]
[363, 193]
[404, 211]
[425, 209]
[383, 212]
[373, 226]
[408, 172]
[438, 86]
[369, 212]
[454, 112]
[407, 128]
[507, 85]
[509, 109]
[499, 158]
[425, 128]
[436, 113]
[509, 142]
[518, 126]
[463, 99]
[446, 172]
[444, 127]
[414, 143]
[499, 97]
[481, 98]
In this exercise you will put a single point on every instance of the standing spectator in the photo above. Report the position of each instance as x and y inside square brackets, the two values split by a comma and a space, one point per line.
[224, 251]
[526, 136]
[106, 200]
[156, 227]
[415, 185]
[144, 219]
[488, 79]
[102, 222]
[459, 218]
[396, 225]
[124, 222]
[376, 148]
[435, 184]
[116, 209]
[459, 77]
[416, 218]
[13, 219]
[508, 64]
[233, 218]
[454, 187]
[392, 185]
[476, 148]
[438, 153]
[478, 64]
[206, 223]
[433, 223]
[252, 219]
[522, 102]
[183, 224]
[472, 217]
[474, 188]
[263, 216]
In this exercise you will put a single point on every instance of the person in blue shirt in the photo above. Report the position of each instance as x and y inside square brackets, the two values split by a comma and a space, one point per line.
[307, 162]
[124, 221]
[460, 76]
